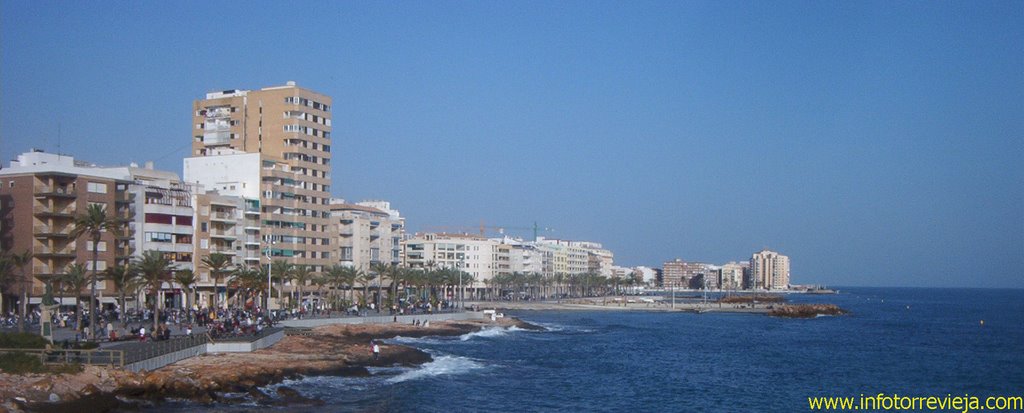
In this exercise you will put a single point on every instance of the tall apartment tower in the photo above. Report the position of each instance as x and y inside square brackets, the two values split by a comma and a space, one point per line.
[289, 127]
[769, 270]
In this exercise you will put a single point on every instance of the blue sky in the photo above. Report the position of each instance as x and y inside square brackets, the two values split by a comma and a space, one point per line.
[875, 142]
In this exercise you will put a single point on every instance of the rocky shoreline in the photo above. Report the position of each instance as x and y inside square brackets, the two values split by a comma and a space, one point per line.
[806, 310]
[338, 350]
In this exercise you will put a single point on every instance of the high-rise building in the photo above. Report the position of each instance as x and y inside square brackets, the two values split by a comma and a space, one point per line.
[684, 274]
[273, 144]
[769, 270]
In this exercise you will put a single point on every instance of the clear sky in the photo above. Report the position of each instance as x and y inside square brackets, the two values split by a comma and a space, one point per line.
[874, 142]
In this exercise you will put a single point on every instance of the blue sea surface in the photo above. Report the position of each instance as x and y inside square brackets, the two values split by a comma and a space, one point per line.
[908, 341]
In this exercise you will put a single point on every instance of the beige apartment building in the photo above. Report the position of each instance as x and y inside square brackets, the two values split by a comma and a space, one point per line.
[367, 233]
[769, 270]
[289, 128]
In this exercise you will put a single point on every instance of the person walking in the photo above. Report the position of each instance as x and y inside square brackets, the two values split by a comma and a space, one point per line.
[376, 351]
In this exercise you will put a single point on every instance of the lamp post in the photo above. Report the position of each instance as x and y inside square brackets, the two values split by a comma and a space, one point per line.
[462, 292]
[270, 267]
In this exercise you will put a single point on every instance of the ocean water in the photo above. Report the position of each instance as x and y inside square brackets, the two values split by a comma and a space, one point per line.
[908, 341]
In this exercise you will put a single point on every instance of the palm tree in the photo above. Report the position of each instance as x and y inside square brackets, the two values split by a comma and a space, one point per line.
[302, 274]
[155, 269]
[16, 271]
[281, 271]
[219, 266]
[6, 276]
[186, 278]
[75, 280]
[121, 276]
[93, 223]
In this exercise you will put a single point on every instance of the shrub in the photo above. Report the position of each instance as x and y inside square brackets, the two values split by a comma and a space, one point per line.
[20, 363]
[22, 340]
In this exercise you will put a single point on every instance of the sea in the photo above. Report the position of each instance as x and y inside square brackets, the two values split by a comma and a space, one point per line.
[904, 341]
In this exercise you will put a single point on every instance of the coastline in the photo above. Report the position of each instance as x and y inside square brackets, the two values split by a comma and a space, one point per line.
[337, 349]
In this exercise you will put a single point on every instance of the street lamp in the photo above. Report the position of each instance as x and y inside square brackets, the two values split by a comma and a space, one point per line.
[462, 292]
[270, 267]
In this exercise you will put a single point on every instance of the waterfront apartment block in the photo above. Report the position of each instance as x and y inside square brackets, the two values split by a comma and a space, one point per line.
[40, 196]
[769, 270]
[685, 274]
[288, 128]
[367, 232]
[730, 276]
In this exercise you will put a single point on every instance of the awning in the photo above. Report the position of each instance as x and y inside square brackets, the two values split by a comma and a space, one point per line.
[108, 300]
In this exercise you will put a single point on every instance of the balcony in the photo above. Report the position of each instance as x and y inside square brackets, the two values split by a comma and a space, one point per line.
[223, 235]
[223, 217]
[42, 231]
[222, 250]
[124, 197]
[252, 240]
[65, 212]
[53, 192]
[66, 252]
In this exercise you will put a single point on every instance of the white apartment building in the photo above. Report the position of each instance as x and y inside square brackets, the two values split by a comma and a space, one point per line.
[474, 254]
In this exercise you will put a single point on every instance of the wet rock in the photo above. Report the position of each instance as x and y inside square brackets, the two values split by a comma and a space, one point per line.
[259, 396]
[289, 393]
[54, 398]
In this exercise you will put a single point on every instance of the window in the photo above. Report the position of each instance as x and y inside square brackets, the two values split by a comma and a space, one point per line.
[102, 246]
[158, 236]
[158, 219]
[97, 188]
[100, 265]
[203, 227]
[204, 243]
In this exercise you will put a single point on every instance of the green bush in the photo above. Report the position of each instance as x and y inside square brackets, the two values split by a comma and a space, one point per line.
[20, 363]
[22, 340]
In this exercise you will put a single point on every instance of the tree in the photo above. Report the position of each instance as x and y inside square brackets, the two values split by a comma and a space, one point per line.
[122, 277]
[7, 276]
[302, 274]
[155, 269]
[12, 273]
[186, 278]
[219, 266]
[93, 223]
[75, 280]
[281, 270]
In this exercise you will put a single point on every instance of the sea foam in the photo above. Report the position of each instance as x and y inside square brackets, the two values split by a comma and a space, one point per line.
[440, 366]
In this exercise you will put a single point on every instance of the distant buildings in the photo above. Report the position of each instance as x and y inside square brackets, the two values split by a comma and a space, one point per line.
[766, 270]
[769, 270]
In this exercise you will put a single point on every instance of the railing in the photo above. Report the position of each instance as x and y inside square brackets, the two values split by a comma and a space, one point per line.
[139, 351]
[59, 211]
[46, 229]
[49, 190]
[65, 251]
[222, 215]
[61, 356]
[246, 338]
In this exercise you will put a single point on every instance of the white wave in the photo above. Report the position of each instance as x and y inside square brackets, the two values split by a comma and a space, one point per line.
[487, 332]
[415, 340]
[549, 326]
[440, 366]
